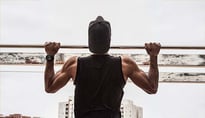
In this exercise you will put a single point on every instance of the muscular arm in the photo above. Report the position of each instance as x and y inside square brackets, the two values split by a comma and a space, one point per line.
[53, 82]
[148, 82]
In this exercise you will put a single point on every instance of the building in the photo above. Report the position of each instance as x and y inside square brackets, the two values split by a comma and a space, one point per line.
[128, 109]
[66, 109]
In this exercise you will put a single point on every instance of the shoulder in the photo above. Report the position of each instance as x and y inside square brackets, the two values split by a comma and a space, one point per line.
[71, 61]
[129, 64]
[127, 60]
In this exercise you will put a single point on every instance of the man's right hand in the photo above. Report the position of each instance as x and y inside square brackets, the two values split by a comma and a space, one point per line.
[51, 48]
[152, 48]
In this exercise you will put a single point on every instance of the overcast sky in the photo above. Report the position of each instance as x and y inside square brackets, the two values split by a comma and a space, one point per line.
[171, 22]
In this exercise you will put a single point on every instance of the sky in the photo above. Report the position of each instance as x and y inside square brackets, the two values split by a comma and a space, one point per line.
[133, 22]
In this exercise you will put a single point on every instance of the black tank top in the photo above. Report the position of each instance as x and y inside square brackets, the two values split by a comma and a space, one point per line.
[99, 87]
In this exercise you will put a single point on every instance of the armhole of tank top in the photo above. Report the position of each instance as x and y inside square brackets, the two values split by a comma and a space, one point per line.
[121, 70]
[77, 71]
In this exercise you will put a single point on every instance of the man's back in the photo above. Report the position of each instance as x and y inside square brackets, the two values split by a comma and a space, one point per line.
[99, 86]
[100, 79]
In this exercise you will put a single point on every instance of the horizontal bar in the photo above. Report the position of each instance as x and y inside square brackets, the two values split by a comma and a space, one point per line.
[112, 47]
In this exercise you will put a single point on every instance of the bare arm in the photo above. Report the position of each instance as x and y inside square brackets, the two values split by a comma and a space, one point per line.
[53, 82]
[148, 83]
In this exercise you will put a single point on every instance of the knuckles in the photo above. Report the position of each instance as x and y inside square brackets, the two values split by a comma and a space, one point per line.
[152, 45]
[51, 47]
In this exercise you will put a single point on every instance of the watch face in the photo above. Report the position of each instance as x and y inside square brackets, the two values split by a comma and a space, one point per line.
[49, 58]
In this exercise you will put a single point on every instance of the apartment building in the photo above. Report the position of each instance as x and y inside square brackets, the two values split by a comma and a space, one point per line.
[128, 109]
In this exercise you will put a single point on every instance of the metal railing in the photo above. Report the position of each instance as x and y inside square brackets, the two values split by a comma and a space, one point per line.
[112, 47]
[178, 75]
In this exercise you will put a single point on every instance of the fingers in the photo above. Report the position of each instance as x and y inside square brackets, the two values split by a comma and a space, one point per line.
[46, 43]
[53, 44]
[151, 45]
[51, 48]
[56, 45]
[152, 48]
[147, 47]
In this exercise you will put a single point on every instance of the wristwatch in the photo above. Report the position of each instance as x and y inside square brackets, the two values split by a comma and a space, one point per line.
[49, 57]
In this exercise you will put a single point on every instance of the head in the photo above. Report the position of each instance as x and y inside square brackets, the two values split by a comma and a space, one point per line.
[99, 35]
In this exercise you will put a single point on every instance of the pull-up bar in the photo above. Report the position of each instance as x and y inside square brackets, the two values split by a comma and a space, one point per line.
[112, 47]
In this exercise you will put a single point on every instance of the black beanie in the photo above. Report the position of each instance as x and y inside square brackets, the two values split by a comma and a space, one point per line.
[99, 35]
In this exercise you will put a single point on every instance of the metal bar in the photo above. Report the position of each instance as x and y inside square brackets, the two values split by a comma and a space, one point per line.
[112, 47]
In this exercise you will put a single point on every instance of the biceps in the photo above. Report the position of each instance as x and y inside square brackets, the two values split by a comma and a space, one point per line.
[61, 78]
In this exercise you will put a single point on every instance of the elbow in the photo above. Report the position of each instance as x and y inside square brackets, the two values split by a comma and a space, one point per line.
[153, 88]
[152, 91]
[49, 90]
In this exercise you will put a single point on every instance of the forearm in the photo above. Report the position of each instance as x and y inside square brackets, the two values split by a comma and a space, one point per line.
[49, 74]
[153, 73]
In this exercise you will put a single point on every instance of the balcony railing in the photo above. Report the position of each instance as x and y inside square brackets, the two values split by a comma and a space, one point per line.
[173, 67]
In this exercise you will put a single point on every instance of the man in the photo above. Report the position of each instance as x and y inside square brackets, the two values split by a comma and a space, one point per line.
[99, 79]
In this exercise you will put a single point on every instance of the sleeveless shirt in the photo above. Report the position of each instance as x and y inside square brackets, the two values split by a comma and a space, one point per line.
[99, 87]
